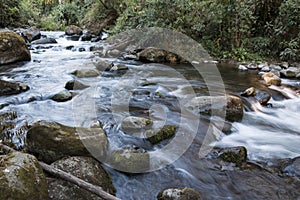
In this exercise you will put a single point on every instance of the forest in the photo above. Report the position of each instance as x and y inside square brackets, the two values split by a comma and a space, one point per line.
[229, 29]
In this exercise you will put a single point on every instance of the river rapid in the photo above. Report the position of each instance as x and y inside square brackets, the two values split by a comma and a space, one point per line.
[267, 132]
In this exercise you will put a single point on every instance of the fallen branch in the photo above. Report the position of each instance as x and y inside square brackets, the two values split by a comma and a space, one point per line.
[70, 178]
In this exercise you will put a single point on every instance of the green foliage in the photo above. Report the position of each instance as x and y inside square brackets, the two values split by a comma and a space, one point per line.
[30, 11]
[9, 14]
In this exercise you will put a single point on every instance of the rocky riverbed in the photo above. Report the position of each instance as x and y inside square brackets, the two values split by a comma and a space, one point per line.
[138, 123]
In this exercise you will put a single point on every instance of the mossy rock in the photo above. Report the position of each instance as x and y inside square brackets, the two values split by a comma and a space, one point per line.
[21, 177]
[13, 48]
[51, 141]
[179, 194]
[131, 160]
[132, 123]
[86, 73]
[236, 155]
[85, 168]
[62, 96]
[164, 133]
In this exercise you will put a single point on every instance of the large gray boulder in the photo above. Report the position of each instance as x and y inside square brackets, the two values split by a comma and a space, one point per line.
[13, 48]
[73, 30]
[85, 168]
[21, 177]
[51, 141]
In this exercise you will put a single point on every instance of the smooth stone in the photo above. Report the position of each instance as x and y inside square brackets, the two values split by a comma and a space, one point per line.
[275, 67]
[284, 65]
[62, 96]
[289, 72]
[132, 123]
[266, 69]
[10, 88]
[249, 92]
[75, 85]
[45, 41]
[262, 65]
[73, 30]
[242, 68]
[271, 79]
[252, 66]
[86, 73]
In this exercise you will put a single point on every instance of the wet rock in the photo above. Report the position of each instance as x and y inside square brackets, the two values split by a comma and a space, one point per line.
[21, 177]
[249, 92]
[179, 194]
[32, 34]
[262, 65]
[206, 104]
[289, 72]
[51, 141]
[266, 69]
[158, 56]
[45, 41]
[86, 37]
[118, 67]
[284, 65]
[271, 79]
[293, 168]
[275, 67]
[102, 65]
[62, 96]
[298, 76]
[135, 123]
[85, 168]
[131, 159]
[236, 155]
[252, 66]
[157, 136]
[73, 30]
[96, 39]
[73, 37]
[242, 68]
[75, 85]
[9, 88]
[276, 72]
[13, 48]
[86, 73]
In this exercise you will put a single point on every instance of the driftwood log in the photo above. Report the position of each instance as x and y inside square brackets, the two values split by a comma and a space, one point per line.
[70, 178]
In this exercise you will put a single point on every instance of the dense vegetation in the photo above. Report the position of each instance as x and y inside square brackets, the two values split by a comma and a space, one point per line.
[236, 29]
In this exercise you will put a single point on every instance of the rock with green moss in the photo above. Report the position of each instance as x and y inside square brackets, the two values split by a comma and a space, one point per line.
[135, 123]
[13, 48]
[131, 160]
[151, 54]
[162, 134]
[179, 194]
[236, 155]
[230, 107]
[21, 177]
[86, 73]
[51, 141]
[85, 168]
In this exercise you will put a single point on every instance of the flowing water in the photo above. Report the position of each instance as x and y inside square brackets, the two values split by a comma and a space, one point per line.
[267, 133]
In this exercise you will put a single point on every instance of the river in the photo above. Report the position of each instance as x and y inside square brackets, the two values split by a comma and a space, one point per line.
[266, 132]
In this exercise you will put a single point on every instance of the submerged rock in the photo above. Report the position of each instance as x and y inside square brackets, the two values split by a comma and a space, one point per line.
[62, 96]
[179, 194]
[32, 34]
[86, 73]
[271, 79]
[162, 134]
[51, 141]
[85, 168]
[207, 105]
[45, 41]
[9, 88]
[21, 177]
[13, 48]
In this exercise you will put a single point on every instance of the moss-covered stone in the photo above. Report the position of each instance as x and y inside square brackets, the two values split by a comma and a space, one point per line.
[13, 48]
[179, 194]
[130, 160]
[21, 177]
[164, 133]
[236, 155]
[86, 73]
[51, 141]
[85, 168]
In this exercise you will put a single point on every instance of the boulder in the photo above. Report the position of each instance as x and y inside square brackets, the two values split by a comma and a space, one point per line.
[85, 168]
[266, 69]
[156, 136]
[158, 56]
[135, 123]
[103, 65]
[205, 104]
[289, 72]
[261, 96]
[249, 92]
[62, 96]
[132, 160]
[86, 73]
[13, 48]
[73, 30]
[45, 41]
[271, 79]
[9, 88]
[75, 85]
[179, 194]
[242, 68]
[237, 155]
[21, 177]
[275, 67]
[51, 141]
[262, 65]
[252, 66]
[86, 37]
[284, 65]
[32, 34]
